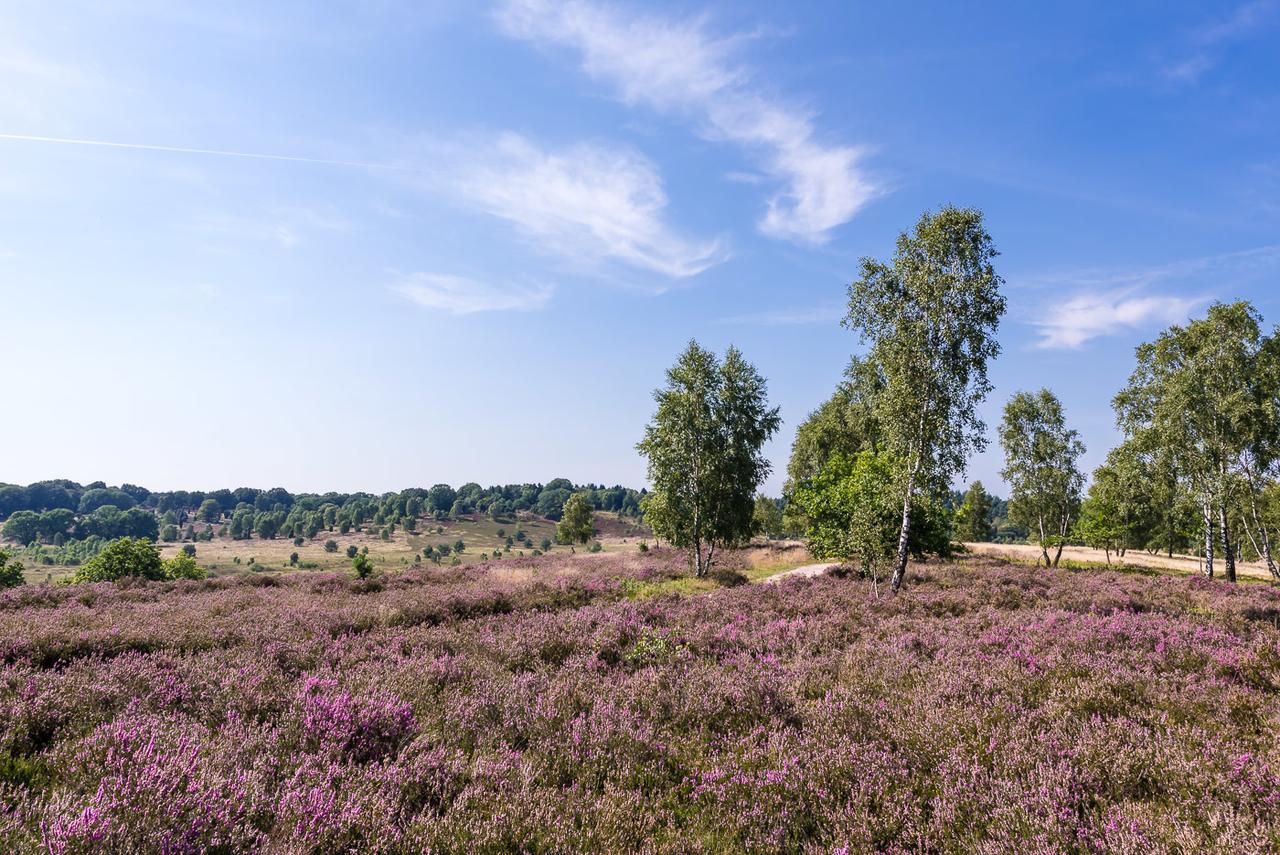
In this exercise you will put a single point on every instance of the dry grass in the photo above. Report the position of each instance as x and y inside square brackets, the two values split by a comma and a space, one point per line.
[1024, 552]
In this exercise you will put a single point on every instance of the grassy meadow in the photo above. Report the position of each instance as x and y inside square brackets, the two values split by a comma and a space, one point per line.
[224, 555]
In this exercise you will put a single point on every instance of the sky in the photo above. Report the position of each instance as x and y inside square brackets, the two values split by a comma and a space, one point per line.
[372, 245]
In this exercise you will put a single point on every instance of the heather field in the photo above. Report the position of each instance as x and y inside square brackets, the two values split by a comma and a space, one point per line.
[556, 705]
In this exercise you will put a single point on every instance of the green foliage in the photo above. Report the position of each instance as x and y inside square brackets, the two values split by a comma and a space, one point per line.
[853, 515]
[10, 572]
[351, 551]
[577, 522]
[331, 545]
[210, 511]
[1041, 465]
[124, 557]
[189, 549]
[930, 317]
[362, 565]
[293, 559]
[459, 547]
[183, 566]
[169, 533]
[844, 424]
[704, 452]
[1100, 525]
[972, 521]
[1203, 407]
[767, 516]
[545, 544]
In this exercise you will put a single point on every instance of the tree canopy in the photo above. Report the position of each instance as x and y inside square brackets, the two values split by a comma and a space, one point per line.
[930, 316]
[703, 447]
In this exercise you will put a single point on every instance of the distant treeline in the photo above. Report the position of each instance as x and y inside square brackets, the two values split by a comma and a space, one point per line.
[60, 511]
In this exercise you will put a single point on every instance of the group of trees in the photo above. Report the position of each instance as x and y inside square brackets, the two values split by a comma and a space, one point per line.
[1198, 466]
[1201, 455]
[870, 471]
[136, 557]
[54, 512]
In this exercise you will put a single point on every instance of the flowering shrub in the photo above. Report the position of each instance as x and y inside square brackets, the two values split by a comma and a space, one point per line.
[530, 706]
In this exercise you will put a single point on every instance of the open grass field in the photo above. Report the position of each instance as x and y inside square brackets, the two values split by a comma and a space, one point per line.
[1083, 555]
[592, 703]
[480, 534]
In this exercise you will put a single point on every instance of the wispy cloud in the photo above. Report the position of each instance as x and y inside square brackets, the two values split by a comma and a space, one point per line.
[1111, 301]
[676, 66]
[589, 202]
[1088, 316]
[788, 317]
[1207, 41]
[463, 296]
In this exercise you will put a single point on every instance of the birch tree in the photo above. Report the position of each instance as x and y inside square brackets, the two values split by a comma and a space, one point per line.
[930, 317]
[1042, 468]
[704, 451]
[1205, 396]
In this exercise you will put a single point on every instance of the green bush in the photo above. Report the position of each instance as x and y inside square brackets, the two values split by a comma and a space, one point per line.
[362, 565]
[10, 573]
[183, 566]
[331, 546]
[351, 551]
[124, 557]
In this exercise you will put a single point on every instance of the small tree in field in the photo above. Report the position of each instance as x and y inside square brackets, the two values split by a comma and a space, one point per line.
[577, 525]
[1041, 456]
[351, 551]
[331, 545]
[930, 317]
[704, 450]
[973, 524]
[183, 566]
[1100, 526]
[362, 565]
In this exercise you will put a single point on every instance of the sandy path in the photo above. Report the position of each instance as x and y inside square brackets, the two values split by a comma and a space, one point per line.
[806, 570]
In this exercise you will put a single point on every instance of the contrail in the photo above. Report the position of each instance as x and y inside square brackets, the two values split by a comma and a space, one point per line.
[210, 151]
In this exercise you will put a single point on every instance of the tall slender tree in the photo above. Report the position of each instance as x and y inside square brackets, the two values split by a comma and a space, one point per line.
[1042, 467]
[930, 316]
[704, 451]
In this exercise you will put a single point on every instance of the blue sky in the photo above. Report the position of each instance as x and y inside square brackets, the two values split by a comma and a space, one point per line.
[371, 245]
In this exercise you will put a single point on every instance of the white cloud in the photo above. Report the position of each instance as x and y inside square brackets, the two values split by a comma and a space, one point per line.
[463, 296]
[674, 66]
[586, 203]
[1114, 300]
[1087, 316]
